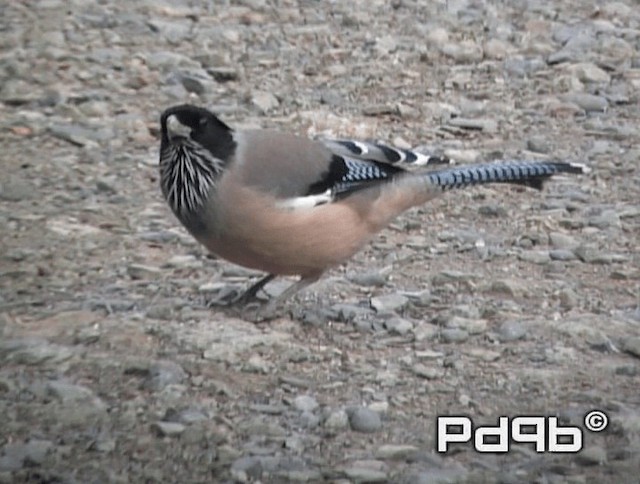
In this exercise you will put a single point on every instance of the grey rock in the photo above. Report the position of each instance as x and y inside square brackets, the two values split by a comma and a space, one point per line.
[454, 335]
[265, 101]
[607, 218]
[33, 351]
[305, 403]
[398, 325]
[511, 331]
[592, 456]
[428, 372]
[369, 279]
[247, 469]
[81, 135]
[538, 145]
[36, 450]
[162, 374]
[562, 255]
[14, 189]
[631, 345]
[469, 325]
[337, 420]
[535, 256]
[68, 392]
[168, 429]
[588, 102]
[558, 240]
[406, 453]
[141, 271]
[488, 125]
[389, 303]
[364, 420]
[366, 471]
[310, 420]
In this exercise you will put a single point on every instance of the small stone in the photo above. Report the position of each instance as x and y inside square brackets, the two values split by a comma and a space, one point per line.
[68, 392]
[568, 299]
[168, 429]
[535, 256]
[305, 403]
[389, 303]
[369, 279]
[184, 262]
[36, 450]
[14, 189]
[511, 331]
[473, 124]
[538, 145]
[469, 325]
[454, 335]
[337, 420]
[558, 240]
[588, 102]
[562, 255]
[140, 271]
[608, 218]
[164, 373]
[588, 72]
[406, 453]
[366, 471]
[398, 325]
[631, 345]
[428, 372]
[265, 101]
[381, 408]
[592, 456]
[365, 420]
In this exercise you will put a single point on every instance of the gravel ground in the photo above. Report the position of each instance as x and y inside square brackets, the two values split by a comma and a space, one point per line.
[489, 302]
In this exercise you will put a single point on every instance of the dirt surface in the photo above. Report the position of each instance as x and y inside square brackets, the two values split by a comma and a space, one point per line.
[487, 302]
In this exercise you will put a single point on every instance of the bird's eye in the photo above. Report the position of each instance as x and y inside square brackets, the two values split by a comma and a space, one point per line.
[203, 121]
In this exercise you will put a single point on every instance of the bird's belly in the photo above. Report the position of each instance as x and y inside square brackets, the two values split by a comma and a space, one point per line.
[303, 242]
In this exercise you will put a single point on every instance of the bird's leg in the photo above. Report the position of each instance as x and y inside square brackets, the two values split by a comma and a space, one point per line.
[269, 309]
[252, 292]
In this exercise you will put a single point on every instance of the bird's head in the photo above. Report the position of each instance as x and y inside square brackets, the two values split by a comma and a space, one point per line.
[194, 151]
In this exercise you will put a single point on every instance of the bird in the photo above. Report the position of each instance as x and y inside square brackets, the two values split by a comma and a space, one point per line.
[289, 205]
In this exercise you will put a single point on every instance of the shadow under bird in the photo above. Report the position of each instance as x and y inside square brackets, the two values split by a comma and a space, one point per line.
[290, 205]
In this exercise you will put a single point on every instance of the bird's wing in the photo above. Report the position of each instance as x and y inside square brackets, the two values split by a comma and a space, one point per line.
[302, 172]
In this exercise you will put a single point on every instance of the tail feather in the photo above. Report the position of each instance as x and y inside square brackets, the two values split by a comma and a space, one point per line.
[528, 173]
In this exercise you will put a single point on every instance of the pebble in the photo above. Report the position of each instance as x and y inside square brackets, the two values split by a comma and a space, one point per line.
[265, 101]
[562, 255]
[428, 372]
[535, 256]
[512, 331]
[631, 345]
[389, 303]
[592, 456]
[364, 420]
[405, 453]
[454, 335]
[168, 429]
[398, 325]
[337, 420]
[470, 325]
[588, 102]
[164, 373]
[305, 403]
[367, 471]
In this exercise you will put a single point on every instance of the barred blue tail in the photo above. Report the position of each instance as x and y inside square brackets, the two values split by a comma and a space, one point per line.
[528, 173]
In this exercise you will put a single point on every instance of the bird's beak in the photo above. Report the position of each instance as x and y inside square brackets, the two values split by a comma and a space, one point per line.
[175, 129]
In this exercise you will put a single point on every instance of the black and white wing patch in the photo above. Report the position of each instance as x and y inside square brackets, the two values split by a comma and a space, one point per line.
[345, 176]
[382, 153]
